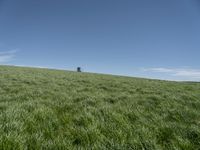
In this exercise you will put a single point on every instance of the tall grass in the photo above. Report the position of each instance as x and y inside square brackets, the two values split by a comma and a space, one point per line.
[51, 109]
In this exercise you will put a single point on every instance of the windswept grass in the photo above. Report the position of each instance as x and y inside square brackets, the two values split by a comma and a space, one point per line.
[51, 109]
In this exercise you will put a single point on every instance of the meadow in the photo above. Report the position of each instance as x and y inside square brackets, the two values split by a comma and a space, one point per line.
[54, 109]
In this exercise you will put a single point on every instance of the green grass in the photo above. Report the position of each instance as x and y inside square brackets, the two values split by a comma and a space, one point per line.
[51, 109]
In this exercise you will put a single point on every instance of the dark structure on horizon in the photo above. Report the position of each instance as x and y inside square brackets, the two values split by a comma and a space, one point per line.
[79, 69]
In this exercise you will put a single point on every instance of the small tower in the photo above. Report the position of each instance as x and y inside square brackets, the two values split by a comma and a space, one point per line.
[79, 69]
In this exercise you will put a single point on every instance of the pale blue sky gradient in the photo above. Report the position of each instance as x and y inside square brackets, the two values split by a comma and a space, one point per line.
[155, 39]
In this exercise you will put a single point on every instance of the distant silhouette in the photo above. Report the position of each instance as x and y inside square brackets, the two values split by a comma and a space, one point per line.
[79, 69]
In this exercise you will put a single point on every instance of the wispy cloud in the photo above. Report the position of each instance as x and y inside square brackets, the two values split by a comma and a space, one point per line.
[161, 70]
[187, 74]
[6, 56]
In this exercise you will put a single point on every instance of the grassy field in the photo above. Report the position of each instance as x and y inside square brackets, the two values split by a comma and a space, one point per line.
[51, 109]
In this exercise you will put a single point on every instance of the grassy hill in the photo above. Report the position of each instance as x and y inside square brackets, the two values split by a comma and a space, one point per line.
[51, 109]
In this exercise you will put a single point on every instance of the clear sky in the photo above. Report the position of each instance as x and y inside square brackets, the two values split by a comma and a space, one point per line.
[144, 38]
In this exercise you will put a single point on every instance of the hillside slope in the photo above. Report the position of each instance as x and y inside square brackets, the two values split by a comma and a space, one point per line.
[41, 108]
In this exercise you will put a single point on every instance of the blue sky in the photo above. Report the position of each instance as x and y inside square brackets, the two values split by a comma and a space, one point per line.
[155, 39]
